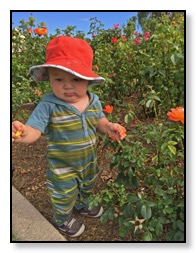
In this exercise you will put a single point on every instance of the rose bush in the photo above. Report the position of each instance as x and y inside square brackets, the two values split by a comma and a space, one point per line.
[130, 61]
[147, 196]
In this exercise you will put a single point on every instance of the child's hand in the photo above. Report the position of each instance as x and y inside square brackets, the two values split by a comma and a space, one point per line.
[116, 132]
[17, 130]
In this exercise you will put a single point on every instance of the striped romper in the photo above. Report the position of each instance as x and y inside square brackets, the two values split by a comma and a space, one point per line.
[72, 159]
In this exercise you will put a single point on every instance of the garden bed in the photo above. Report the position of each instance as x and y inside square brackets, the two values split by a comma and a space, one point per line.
[29, 177]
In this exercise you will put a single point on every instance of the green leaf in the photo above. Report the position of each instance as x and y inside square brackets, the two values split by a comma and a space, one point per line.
[135, 181]
[171, 191]
[172, 142]
[172, 149]
[124, 230]
[153, 73]
[147, 236]
[158, 171]
[163, 220]
[173, 59]
[159, 191]
[110, 195]
[129, 117]
[104, 217]
[146, 212]
[181, 204]
[130, 172]
[168, 210]
[179, 55]
[159, 229]
[157, 98]
[162, 72]
[179, 236]
[180, 225]
[126, 119]
[163, 147]
[114, 162]
[127, 210]
[155, 159]
[132, 198]
[110, 215]
[149, 203]
[149, 103]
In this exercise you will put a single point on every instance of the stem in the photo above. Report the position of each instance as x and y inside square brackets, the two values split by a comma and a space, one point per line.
[121, 145]
[116, 192]
[155, 110]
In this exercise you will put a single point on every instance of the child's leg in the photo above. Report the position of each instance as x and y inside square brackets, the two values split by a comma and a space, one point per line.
[63, 191]
[82, 202]
[85, 189]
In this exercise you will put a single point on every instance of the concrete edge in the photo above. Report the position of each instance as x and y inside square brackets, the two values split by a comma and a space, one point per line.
[28, 224]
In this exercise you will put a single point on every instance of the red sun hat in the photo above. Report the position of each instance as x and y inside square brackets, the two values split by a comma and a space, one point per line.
[70, 54]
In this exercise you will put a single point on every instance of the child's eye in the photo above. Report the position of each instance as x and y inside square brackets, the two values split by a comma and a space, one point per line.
[58, 79]
[77, 79]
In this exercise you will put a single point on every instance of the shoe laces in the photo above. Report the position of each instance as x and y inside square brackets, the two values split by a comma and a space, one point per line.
[70, 223]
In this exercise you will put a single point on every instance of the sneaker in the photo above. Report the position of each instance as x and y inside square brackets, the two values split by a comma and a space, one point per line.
[94, 212]
[72, 228]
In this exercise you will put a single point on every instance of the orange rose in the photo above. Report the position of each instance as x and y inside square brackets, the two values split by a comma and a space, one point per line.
[38, 92]
[96, 67]
[122, 133]
[108, 109]
[41, 31]
[177, 114]
[29, 30]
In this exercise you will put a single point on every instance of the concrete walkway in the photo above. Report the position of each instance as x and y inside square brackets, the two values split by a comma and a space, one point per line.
[27, 222]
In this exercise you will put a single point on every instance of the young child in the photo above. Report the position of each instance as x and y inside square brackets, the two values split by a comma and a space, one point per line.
[70, 118]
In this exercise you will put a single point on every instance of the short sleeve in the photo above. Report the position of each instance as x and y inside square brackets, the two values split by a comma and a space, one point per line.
[101, 114]
[40, 117]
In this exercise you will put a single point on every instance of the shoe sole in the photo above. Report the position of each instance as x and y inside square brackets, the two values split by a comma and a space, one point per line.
[80, 231]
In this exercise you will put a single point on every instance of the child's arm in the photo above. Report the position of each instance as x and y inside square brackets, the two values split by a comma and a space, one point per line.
[27, 134]
[112, 129]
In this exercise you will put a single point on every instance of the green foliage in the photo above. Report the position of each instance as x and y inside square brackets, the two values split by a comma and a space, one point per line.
[156, 61]
[154, 65]
[149, 184]
[147, 197]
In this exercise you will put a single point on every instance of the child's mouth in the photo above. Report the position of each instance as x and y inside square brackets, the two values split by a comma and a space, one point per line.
[69, 94]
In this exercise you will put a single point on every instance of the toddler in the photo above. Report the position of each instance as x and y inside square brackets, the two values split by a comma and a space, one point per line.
[70, 117]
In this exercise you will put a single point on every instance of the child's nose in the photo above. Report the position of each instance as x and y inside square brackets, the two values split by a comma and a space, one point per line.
[67, 85]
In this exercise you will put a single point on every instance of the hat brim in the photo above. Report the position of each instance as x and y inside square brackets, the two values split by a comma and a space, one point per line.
[40, 73]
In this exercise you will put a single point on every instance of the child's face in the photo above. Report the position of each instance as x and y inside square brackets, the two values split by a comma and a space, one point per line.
[66, 86]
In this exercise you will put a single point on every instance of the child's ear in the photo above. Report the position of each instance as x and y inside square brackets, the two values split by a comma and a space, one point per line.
[46, 74]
